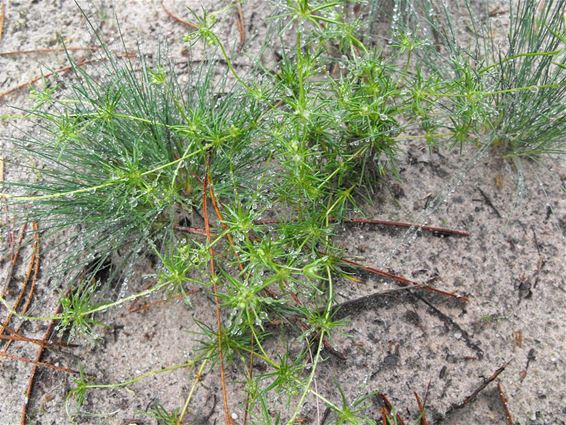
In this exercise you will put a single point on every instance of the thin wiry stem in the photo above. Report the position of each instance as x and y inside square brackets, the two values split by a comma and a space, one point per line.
[206, 179]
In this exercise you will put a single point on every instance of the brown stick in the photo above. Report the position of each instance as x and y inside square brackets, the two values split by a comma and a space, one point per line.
[224, 226]
[403, 225]
[16, 253]
[176, 18]
[227, 416]
[403, 280]
[230, 239]
[20, 338]
[37, 363]
[504, 402]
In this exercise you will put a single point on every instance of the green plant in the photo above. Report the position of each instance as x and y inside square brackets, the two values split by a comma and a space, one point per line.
[504, 93]
[237, 183]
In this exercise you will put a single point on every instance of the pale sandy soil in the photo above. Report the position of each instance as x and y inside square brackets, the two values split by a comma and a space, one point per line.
[511, 267]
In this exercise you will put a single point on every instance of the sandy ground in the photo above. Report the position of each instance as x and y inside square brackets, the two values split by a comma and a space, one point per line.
[396, 342]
